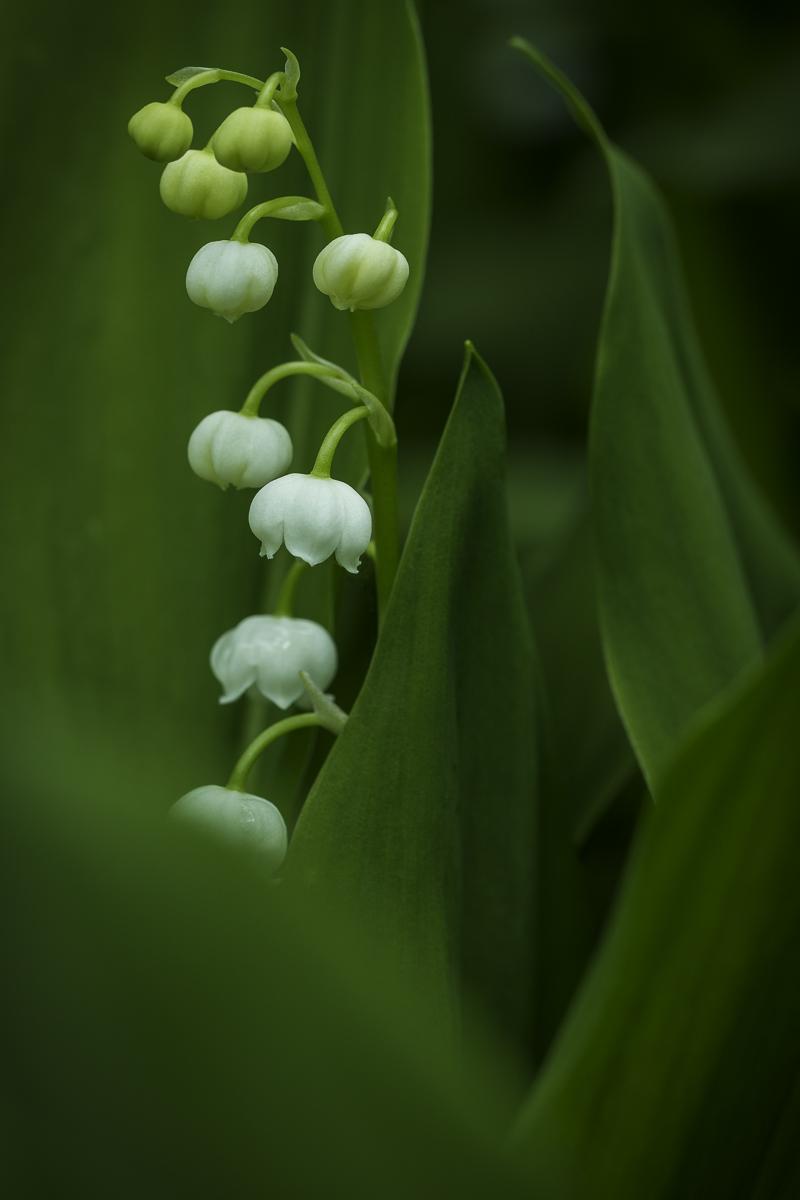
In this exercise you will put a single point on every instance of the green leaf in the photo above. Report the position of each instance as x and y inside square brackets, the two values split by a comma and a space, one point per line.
[181, 1027]
[424, 813]
[694, 574]
[126, 567]
[590, 786]
[676, 1073]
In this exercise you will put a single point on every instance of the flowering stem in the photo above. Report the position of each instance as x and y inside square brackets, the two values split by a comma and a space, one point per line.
[382, 460]
[322, 466]
[258, 391]
[246, 761]
[285, 602]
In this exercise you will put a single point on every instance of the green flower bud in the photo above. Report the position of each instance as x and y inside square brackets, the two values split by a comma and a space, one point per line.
[358, 271]
[162, 132]
[253, 139]
[198, 186]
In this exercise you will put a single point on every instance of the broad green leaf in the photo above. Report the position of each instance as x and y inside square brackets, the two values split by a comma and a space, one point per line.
[181, 1027]
[676, 1073]
[126, 567]
[590, 785]
[424, 813]
[694, 574]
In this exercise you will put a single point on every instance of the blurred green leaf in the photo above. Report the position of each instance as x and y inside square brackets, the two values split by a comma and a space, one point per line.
[694, 573]
[590, 785]
[181, 1027]
[676, 1073]
[125, 567]
[424, 813]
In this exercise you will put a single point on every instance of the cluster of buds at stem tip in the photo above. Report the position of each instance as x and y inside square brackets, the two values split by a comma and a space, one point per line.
[268, 653]
[238, 819]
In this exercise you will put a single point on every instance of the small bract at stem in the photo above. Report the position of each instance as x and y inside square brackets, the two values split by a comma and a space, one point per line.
[285, 208]
[249, 757]
[324, 460]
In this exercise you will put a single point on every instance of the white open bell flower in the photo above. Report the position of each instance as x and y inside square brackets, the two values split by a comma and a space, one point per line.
[237, 818]
[313, 517]
[358, 271]
[232, 448]
[232, 278]
[270, 653]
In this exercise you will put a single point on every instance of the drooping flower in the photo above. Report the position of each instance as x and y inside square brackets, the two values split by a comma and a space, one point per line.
[247, 452]
[269, 653]
[359, 271]
[196, 185]
[253, 139]
[238, 819]
[232, 278]
[313, 517]
[162, 132]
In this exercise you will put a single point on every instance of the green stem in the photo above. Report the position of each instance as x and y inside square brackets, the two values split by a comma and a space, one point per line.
[330, 222]
[285, 603]
[388, 221]
[324, 461]
[382, 460]
[258, 391]
[246, 761]
[268, 91]
[215, 75]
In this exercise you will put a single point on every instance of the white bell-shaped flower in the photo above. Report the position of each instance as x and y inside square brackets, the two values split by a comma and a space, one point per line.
[237, 818]
[232, 278]
[358, 271]
[313, 517]
[270, 653]
[247, 452]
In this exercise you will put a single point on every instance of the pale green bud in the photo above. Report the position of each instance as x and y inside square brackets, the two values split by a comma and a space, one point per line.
[162, 132]
[232, 278]
[253, 139]
[198, 186]
[358, 271]
[239, 819]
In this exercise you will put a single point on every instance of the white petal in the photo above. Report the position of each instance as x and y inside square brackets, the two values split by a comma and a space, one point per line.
[356, 527]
